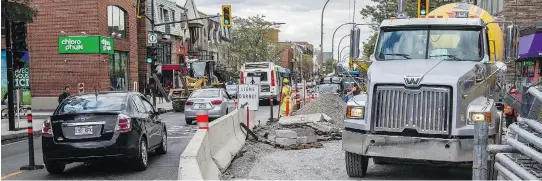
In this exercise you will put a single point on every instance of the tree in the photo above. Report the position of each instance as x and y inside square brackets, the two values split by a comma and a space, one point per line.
[329, 66]
[18, 10]
[249, 42]
[307, 66]
[384, 9]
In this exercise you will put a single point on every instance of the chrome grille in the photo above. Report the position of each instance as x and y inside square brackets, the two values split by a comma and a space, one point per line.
[265, 88]
[427, 110]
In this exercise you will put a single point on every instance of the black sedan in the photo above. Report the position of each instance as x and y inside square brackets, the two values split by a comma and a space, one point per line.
[104, 125]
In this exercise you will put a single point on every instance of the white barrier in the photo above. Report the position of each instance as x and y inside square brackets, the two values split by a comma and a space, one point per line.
[210, 153]
[196, 162]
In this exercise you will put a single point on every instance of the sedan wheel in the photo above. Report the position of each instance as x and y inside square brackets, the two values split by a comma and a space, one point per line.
[163, 146]
[142, 159]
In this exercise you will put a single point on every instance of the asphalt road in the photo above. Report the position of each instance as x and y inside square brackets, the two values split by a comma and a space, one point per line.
[161, 167]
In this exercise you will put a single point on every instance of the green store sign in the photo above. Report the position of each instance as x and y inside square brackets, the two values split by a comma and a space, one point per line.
[85, 45]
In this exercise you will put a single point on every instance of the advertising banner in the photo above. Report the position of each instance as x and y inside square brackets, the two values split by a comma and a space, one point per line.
[21, 76]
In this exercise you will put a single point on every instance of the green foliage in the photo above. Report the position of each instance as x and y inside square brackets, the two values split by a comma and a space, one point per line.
[249, 43]
[18, 10]
[307, 66]
[329, 66]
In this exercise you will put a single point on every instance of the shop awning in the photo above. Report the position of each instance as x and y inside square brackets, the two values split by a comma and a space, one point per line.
[530, 46]
[171, 67]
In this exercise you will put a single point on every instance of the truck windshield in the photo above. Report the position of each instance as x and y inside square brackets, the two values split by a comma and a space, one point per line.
[460, 45]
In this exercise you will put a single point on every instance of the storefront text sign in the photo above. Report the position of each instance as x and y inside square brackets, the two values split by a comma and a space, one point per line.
[85, 45]
[249, 93]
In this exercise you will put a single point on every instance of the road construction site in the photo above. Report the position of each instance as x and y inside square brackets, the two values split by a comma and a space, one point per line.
[306, 145]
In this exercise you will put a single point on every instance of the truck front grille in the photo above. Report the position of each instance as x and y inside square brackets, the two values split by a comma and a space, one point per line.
[427, 110]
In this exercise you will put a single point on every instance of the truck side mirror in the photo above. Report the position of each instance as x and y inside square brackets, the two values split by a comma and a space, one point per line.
[511, 43]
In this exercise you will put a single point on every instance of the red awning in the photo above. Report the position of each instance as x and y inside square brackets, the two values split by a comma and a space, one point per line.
[171, 67]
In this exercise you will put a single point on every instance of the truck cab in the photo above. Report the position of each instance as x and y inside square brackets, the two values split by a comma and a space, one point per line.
[428, 78]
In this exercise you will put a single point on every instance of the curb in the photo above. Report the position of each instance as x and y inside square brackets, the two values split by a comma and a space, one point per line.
[19, 135]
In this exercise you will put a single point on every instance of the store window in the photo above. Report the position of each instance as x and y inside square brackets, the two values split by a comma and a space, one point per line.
[117, 19]
[164, 53]
[118, 69]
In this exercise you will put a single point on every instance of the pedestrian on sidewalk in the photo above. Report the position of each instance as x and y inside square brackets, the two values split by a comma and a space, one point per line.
[65, 94]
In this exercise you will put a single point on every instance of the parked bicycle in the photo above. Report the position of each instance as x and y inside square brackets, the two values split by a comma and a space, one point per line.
[22, 112]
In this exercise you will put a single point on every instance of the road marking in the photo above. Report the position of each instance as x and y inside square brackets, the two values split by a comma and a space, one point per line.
[12, 174]
[14, 142]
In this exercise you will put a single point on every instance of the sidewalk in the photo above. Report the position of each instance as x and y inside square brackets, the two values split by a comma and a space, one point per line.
[23, 131]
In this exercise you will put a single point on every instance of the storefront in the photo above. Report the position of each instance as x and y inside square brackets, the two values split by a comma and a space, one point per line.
[528, 66]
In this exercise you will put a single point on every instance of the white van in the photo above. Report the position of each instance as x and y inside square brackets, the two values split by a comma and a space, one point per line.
[268, 77]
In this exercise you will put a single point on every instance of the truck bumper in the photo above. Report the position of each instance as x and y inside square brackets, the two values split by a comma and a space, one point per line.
[416, 148]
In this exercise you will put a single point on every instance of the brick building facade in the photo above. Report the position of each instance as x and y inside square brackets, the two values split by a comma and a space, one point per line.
[50, 71]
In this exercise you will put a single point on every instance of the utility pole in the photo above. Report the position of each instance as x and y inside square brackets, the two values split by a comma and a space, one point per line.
[321, 54]
[9, 60]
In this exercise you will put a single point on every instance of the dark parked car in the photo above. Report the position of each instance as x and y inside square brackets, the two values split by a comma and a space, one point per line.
[104, 125]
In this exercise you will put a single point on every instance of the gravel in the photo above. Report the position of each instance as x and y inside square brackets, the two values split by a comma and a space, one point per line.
[327, 163]
[329, 104]
[245, 160]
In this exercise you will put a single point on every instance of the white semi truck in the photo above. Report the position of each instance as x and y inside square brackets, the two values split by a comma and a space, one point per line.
[429, 78]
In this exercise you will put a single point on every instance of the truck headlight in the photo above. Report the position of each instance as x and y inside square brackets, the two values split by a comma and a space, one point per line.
[479, 116]
[355, 112]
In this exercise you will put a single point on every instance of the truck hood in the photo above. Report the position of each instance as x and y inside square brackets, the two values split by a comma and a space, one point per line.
[446, 72]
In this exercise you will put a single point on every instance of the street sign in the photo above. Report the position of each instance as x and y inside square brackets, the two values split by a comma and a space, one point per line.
[253, 80]
[249, 94]
[81, 87]
[152, 38]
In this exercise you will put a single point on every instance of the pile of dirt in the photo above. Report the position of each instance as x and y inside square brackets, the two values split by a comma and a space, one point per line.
[329, 104]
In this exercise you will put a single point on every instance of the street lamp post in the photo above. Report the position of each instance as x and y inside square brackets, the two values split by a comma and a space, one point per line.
[333, 37]
[341, 52]
[321, 56]
[338, 46]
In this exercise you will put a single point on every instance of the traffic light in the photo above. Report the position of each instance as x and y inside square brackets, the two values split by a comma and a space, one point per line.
[141, 8]
[226, 16]
[423, 8]
[18, 36]
[152, 54]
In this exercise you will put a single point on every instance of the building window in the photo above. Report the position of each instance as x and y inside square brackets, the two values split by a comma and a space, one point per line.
[164, 53]
[118, 71]
[173, 17]
[117, 18]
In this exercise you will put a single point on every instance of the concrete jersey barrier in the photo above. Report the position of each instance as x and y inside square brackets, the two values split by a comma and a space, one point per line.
[210, 153]
[196, 162]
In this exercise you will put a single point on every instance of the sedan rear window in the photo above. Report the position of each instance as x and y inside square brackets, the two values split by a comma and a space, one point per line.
[92, 103]
[205, 94]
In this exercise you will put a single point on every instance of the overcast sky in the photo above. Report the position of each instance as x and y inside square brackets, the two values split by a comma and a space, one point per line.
[302, 17]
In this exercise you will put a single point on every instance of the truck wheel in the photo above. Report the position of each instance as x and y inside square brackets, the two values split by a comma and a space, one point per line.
[356, 165]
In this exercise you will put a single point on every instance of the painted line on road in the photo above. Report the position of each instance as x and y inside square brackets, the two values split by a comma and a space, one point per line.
[12, 174]
[14, 142]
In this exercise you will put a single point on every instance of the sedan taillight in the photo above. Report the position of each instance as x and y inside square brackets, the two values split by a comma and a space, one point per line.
[124, 124]
[188, 103]
[216, 102]
[46, 129]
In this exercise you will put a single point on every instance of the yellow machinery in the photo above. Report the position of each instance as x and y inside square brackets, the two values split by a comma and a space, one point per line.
[200, 75]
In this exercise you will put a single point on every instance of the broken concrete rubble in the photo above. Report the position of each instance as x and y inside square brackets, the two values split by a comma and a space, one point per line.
[285, 134]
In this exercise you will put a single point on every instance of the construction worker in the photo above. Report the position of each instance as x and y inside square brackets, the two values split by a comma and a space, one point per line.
[285, 98]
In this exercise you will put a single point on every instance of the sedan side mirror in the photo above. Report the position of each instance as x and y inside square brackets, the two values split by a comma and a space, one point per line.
[162, 110]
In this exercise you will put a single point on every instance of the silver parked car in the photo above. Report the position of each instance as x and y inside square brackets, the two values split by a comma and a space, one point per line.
[215, 101]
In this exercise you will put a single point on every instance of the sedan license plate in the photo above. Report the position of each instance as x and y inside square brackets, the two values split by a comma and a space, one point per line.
[83, 130]
[202, 106]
